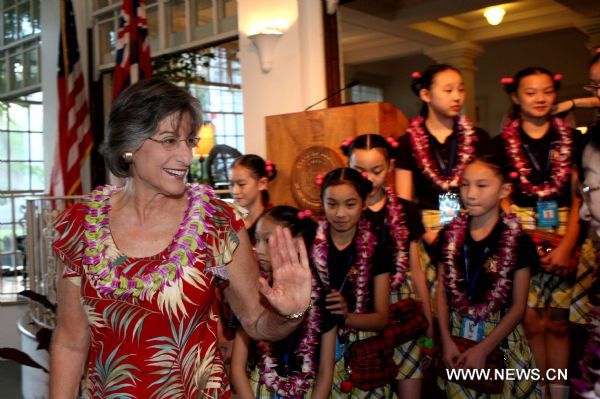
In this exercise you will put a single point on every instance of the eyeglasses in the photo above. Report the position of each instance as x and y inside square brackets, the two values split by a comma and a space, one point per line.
[592, 86]
[586, 192]
[171, 143]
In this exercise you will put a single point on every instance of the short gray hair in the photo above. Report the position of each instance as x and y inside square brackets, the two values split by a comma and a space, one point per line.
[136, 114]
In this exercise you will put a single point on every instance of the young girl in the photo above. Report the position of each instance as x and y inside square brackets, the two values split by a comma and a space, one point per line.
[300, 366]
[355, 274]
[435, 150]
[250, 177]
[397, 225]
[539, 150]
[483, 279]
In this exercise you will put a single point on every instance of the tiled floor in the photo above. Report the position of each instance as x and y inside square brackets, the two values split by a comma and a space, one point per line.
[10, 380]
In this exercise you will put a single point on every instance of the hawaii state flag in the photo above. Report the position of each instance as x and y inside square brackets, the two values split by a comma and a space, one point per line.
[133, 47]
[75, 140]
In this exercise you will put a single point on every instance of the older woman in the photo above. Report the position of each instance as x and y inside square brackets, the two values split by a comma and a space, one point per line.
[141, 264]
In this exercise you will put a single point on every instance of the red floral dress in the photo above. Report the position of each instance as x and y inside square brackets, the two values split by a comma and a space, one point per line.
[152, 320]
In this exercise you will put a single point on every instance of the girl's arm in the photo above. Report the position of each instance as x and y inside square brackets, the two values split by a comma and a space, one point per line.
[324, 379]
[70, 342]
[239, 360]
[377, 320]
[404, 183]
[560, 258]
[418, 279]
[475, 357]
[450, 351]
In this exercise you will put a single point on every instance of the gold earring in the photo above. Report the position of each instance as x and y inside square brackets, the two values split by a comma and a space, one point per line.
[128, 157]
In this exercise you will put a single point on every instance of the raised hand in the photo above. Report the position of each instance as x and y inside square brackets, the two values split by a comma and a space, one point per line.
[290, 292]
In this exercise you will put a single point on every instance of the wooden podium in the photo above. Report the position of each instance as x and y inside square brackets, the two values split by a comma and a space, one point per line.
[303, 145]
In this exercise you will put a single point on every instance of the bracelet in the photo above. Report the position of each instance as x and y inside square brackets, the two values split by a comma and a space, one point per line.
[298, 315]
[426, 342]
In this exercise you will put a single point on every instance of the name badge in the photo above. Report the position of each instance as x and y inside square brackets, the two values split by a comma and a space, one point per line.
[471, 330]
[449, 207]
[547, 213]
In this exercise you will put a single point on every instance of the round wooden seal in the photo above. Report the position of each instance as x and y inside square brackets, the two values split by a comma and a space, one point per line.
[311, 162]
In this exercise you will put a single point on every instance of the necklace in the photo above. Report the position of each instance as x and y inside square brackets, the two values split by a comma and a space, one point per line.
[396, 221]
[431, 169]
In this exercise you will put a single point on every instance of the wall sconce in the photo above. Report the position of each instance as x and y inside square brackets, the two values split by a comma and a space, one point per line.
[494, 15]
[265, 42]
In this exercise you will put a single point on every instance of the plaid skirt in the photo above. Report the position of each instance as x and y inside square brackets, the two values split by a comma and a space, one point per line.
[545, 289]
[517, 354]
[408, 355]
[586, 272]
[340, 374]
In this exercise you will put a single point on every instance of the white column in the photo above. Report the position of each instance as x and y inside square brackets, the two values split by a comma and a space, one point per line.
[461, 55]
[297, 78]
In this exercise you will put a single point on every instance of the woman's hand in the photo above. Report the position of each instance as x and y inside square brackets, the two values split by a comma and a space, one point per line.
[291, 289]
[472, 358]
[336, 304]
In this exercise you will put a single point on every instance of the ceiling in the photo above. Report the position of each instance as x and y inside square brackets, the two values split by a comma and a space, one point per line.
[375, 30]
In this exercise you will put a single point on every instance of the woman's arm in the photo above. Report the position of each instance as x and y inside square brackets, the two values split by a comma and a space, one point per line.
[569, 105]
[404, 183]
[377, 320]
[324, 379]
[289, 294]
[475, 357]
[418, 280]
[70, 342]
[239, 361]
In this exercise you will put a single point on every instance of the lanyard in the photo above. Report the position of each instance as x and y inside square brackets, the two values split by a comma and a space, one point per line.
[471, 282]
[445, 169]
[534, 160]
[350, 262]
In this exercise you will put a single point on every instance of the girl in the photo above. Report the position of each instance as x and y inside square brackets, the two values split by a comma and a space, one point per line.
[287, 368]
[397, 224]
[354, 273]
[437, 147]
[250, 177]
[435, 151]
[483, 278]
[539, 150]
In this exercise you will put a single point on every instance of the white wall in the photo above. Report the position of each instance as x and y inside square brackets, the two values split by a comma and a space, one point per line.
[298, 75]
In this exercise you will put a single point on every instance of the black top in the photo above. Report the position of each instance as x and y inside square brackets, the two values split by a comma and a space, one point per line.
[539, 150]
[412, 216]
[339, 263]
[477, 280]
[425, 191]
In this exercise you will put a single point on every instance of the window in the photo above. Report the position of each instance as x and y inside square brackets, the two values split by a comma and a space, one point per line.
[362, 93]
[221, 95]
[20, 48]
[21, 175]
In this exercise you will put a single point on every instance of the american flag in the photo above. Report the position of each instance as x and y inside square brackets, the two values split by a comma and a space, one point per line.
[74, 131]
[133, 47]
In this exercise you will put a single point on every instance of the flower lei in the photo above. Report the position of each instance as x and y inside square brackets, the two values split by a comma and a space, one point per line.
[420, 143]
[109, 279]
[396, 221]
[359, 272]
[497, 295]
[560, 165]
[298, 383]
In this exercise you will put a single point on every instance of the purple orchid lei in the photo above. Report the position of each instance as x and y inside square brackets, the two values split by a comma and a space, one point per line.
[420, 143]
[499, 267]
[300, 381]
[561, 165]
[360, 271]
[109, 279]
[396, 220]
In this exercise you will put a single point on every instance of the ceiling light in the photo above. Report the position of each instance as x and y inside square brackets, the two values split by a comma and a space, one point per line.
[494, 15]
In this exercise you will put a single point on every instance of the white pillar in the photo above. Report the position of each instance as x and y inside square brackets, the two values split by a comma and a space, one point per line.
[461, 55]
[297, 78]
